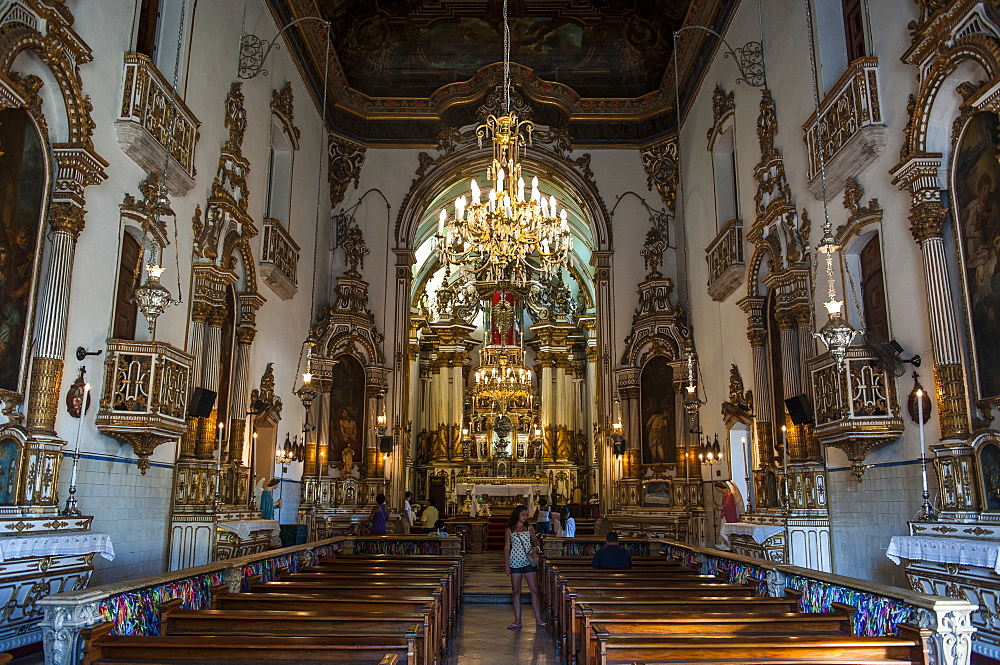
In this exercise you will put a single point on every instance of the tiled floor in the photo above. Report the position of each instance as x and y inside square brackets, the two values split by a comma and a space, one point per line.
[483, 639]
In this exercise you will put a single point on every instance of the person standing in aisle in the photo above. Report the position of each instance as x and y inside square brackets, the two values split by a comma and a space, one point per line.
[542, 513]
[520, 554]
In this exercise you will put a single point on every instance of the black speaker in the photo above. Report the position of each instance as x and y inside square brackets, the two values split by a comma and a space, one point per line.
[202, 401]
[799, 410]
[385, 444]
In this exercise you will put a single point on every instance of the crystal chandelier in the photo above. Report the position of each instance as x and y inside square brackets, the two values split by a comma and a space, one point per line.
[502, 379]
[515, 235]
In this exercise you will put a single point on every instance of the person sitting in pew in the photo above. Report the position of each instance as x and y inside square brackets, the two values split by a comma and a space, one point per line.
[612, 555]
[439, 530]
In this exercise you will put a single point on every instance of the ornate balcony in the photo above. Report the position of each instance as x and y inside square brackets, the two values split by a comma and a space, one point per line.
[145, 395]
[279, 259]
[725, 261]
[151, 122]
[849, 129]
[856, 408]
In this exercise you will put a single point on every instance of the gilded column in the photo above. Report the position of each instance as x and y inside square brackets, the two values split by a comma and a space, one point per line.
[210, 379]
[239, 395]
[320, 419]
[66, 220]
[807, 350]
[199, 314]
[919, 174]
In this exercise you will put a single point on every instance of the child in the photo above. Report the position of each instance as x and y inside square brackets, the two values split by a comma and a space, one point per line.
[569, 524]
[439, 530]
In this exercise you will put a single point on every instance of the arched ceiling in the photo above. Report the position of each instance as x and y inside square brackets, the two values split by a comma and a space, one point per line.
[401, 69]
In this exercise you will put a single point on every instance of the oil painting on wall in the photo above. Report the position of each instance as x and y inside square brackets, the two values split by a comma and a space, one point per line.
[657, 412]
[22, 184]
[977, 198]
[347, 414]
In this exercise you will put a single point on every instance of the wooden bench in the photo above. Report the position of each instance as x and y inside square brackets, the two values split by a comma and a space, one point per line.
[615, 646]
[716, 625]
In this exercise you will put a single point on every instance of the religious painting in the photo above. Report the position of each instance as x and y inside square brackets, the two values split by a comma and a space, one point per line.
[989, 467]
[658, 418]
[347, 415]
[9, 456]
[657, 493]
[22, 191]
[976, 192]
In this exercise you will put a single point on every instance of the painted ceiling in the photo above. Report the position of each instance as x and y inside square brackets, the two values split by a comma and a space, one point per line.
[401, 69]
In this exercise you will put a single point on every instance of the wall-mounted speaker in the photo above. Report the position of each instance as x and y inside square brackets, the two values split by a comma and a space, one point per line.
[799, 410]
[385, 444]
[202, 401]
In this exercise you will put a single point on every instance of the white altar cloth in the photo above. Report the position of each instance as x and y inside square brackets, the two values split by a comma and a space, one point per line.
[759, 532]
[983, 554]
[243, 528]
[55, 544]
[505, 489]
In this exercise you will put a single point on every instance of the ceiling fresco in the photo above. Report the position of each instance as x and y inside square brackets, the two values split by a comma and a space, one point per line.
[402, 69]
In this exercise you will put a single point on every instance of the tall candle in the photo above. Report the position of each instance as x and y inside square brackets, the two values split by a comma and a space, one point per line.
[218, 456]
[920, 424]
[784, 448]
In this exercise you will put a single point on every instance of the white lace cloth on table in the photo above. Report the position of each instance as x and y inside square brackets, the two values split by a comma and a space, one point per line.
[243, 528]
[759, 532]
[55, 544]
[938, 549]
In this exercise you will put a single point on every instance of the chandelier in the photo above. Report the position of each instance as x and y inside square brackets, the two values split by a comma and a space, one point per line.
[515, 235]
[502, 379]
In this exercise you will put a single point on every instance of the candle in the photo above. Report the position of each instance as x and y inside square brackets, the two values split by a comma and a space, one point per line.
[784, 448]
[920, 424]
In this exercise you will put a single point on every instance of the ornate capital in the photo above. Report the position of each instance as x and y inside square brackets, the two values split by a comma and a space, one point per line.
[758, 338]
[785, 318]
[66, 217]
[803, 315]
[217, 316]
[927, 220]
[200, 311]
[245, 335]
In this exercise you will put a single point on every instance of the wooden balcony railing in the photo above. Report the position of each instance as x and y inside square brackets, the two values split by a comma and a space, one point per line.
[152, 122]
[279, 260]
[144, 402]
[725, 261]
[849, 128]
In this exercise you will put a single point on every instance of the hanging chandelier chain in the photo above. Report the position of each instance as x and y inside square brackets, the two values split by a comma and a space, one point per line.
[827, 228]
[506, 58]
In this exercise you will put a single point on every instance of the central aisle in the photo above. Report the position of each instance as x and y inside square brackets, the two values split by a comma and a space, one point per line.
[483, 639]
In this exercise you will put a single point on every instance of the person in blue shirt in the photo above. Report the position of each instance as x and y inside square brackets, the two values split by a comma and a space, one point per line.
[612, 555]
[439, 529]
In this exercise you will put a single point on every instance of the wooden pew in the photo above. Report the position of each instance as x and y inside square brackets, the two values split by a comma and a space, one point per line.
[732, 624]
[426, 607]
[615, 646]
[390, 559]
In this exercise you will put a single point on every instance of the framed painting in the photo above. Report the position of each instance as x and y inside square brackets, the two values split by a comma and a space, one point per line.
[22, 192]
[347, 414]
[976, 194]
[657, 410]
[657, 493]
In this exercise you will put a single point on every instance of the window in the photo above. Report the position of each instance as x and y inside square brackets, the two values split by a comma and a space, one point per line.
[145, 41]
[125, 309]
[854, 29]
[873, 288]
[279, 193]
[724, 167]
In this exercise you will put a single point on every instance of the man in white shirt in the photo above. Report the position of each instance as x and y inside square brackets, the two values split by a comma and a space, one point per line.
[408, 517]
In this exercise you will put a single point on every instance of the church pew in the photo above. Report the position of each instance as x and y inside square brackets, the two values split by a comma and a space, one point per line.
[398, 559]
[581, 590]
[299, 623]
[428, 607]
[362, 589]
[616, 647]
[445, 578]
[244, 650]
[735, 624]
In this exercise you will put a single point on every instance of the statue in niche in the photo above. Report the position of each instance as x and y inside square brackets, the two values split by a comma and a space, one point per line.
[562, 444]
[423, 445]
[348, 456]
[440, 444]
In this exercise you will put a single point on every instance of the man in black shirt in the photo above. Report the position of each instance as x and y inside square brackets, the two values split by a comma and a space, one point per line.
[612, 555]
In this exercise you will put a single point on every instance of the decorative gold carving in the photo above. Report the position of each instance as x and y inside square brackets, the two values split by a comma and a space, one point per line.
[345, 160]
[660, 162]
[952, 405]
[767, 123]
[264, 404]
[66, 217]
[12, 401]
[652, 253]
[283, 106]
[200, 311]
[927, 220]
[143, 444]
[630, 464]
[236, 118]
[355, 251]
[245, 335]
[723, 104]
[737, 396]
[189, 439]
[217, 316]
[43, 397]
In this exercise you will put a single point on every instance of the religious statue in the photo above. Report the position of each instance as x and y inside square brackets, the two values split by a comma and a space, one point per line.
[483, 509]
[562, 444]
[440, 444]
[423, 445]
[348, 454]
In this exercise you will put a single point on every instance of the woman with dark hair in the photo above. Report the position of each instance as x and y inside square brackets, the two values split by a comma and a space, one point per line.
[379, 517]
[519, 548]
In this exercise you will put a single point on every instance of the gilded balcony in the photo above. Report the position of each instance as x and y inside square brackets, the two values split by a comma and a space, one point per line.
[849, 129]
[855, 408]
[725, 261]
[151, 123]
[144, 402]
[279, 260]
